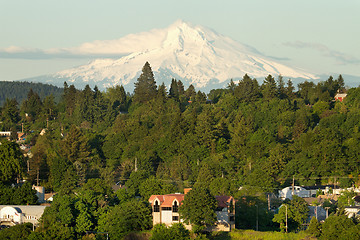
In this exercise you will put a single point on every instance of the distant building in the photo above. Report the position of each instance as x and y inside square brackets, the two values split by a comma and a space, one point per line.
[352, 211]
[17, 214]
[40, 193]
[165, 210]
[340, 96]
[288, 192]
[5, 134]
[318, 212]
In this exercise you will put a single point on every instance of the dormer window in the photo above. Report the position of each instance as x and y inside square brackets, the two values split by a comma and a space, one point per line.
[156, 206]
[175, 207]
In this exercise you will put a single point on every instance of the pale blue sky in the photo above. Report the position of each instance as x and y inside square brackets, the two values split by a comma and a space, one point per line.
[321, 36]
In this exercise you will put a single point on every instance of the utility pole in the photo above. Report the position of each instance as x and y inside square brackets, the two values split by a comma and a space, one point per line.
[286, 226]
[37, 178]
[327, 211]
[257, 218]
[136, 164]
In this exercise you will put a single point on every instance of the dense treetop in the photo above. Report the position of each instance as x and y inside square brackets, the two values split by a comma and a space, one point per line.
[258, 134]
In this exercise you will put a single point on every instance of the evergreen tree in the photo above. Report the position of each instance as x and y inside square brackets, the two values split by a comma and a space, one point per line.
[290, 89]
[174, 92]
[281, 87]
[32, 105]
[70, 99]
[247, 89]
[145, 87]
[10, 113]
[12, 164]
[269, 89]
[180, 87]
[190, 93]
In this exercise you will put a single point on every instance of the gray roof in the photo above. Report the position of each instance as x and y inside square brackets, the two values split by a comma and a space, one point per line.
[31, 210]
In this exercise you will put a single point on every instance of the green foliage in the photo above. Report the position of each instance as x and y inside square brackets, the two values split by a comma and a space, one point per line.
[198, 207]
[296, 212]
[145, 87]
[176, 231]
[339, 227]
[314, 227]
[21, 231]
[252, 211]
[12, 164]
[130, 216]
[246, 135]
[346, 199]
[19, 90]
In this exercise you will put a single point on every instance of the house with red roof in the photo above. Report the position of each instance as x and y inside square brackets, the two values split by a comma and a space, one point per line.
[165, 209]
[340, 96]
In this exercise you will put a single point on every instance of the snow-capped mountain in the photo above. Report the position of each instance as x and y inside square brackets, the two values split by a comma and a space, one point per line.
[194, 54]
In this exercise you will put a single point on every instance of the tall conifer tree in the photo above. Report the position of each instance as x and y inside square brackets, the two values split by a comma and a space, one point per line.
[145, 87]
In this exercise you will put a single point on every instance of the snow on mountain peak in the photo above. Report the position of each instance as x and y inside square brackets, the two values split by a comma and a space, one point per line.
[194, 54]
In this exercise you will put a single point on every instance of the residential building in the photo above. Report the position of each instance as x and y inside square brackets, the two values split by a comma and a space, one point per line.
[18, 214]
[165, 209]
[340, 96]
[293, 190]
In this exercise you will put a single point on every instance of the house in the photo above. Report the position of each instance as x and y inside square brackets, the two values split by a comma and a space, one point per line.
[5, 134]
[165, 210]
[305, 191]
[352, 211]
[21, 136]
[40, 193]
[293, 190]
[318, 212]
[340, 96]
[17, 214]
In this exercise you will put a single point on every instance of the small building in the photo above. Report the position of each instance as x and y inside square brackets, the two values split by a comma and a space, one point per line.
[293, 190]
[21, 137]
[5, 134]
[165, 210]
[318, 212]
[40, 193]
[340, 96]
[352, 211]
[17, 214]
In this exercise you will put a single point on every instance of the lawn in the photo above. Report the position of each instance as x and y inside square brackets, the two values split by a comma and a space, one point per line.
[254, 235]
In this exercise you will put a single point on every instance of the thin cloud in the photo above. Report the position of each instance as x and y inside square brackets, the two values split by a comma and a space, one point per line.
[340, 57]
[14, 52]
[116, 48]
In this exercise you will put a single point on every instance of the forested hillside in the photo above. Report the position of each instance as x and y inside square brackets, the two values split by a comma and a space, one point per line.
[19, 90]
[258, 134]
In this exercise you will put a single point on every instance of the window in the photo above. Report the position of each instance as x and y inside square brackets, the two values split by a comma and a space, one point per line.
[166, 208]
[175, 207]
[156, 207]
[175, 218]
[232, 218]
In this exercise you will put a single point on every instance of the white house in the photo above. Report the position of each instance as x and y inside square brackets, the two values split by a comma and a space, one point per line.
[18, 214]
[352, 211]
[293, 190]
[165, 210]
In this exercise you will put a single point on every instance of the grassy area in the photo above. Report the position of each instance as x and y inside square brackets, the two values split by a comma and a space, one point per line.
[254, 235]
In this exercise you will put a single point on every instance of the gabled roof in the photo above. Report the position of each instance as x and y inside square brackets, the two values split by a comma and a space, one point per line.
[224, 201]
[167, 200]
